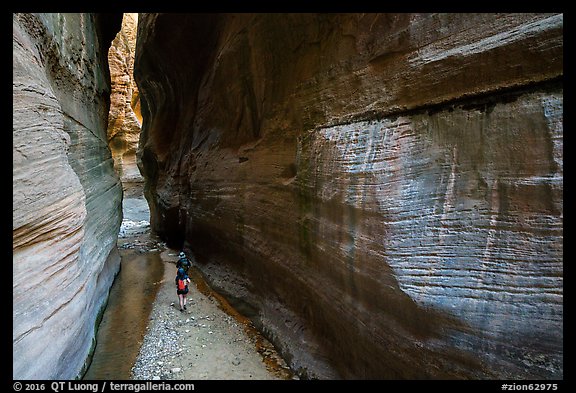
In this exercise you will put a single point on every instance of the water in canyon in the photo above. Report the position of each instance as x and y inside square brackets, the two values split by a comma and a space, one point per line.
[126, 316]
[131, 298]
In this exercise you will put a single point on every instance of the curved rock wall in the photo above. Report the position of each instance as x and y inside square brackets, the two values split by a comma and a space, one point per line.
[384, 190]
[125, 119]
[66, 196]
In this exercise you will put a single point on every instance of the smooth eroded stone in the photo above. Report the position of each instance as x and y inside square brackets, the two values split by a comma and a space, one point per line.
[381, 192]
[124, 119]
[66, 196]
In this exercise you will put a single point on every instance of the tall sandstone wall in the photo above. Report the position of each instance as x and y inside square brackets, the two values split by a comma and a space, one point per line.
[66, 195]
[125, 118]
[381, 192]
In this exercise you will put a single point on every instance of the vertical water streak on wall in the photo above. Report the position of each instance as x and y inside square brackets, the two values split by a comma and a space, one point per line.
[356, 218]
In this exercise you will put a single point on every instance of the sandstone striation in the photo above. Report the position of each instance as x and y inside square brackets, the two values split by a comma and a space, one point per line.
[125, 118]
[383, 190]
[66, 195]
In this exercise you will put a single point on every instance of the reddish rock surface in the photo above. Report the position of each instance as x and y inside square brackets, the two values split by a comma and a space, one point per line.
[125, 118]
[383, 190]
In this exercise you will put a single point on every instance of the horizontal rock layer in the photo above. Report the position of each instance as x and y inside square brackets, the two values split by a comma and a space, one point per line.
[66, 196]
[384, 190]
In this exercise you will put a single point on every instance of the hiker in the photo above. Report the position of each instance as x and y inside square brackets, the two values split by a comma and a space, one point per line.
[183, 262]
[182, 280]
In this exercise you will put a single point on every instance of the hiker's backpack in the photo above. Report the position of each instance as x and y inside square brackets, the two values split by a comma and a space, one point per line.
[181, 284]
[183, 263]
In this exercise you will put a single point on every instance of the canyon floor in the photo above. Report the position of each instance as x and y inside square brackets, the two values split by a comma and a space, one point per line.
[208, 341]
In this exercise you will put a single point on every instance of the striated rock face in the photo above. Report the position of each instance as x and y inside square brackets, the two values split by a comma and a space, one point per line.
[125, 118]
[384, 190]
[66, 196]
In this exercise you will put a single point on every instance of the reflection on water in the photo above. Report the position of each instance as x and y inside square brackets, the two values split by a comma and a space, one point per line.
[126, 316]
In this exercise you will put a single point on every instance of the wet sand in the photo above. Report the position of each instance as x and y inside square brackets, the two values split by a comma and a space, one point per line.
[210, 340]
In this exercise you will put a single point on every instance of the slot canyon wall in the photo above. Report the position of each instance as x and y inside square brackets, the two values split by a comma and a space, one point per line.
[384, 191]
[66, 195]
[125, 120]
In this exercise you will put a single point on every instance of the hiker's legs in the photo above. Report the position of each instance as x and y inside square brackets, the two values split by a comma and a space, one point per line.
[182, 302]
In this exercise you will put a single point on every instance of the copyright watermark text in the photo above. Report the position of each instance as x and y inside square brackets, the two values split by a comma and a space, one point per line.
[99, 387]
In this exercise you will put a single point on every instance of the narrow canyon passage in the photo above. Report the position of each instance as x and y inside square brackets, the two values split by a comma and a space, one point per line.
[126, 316]
[129, 337]
[381, 194]
[142, 334]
